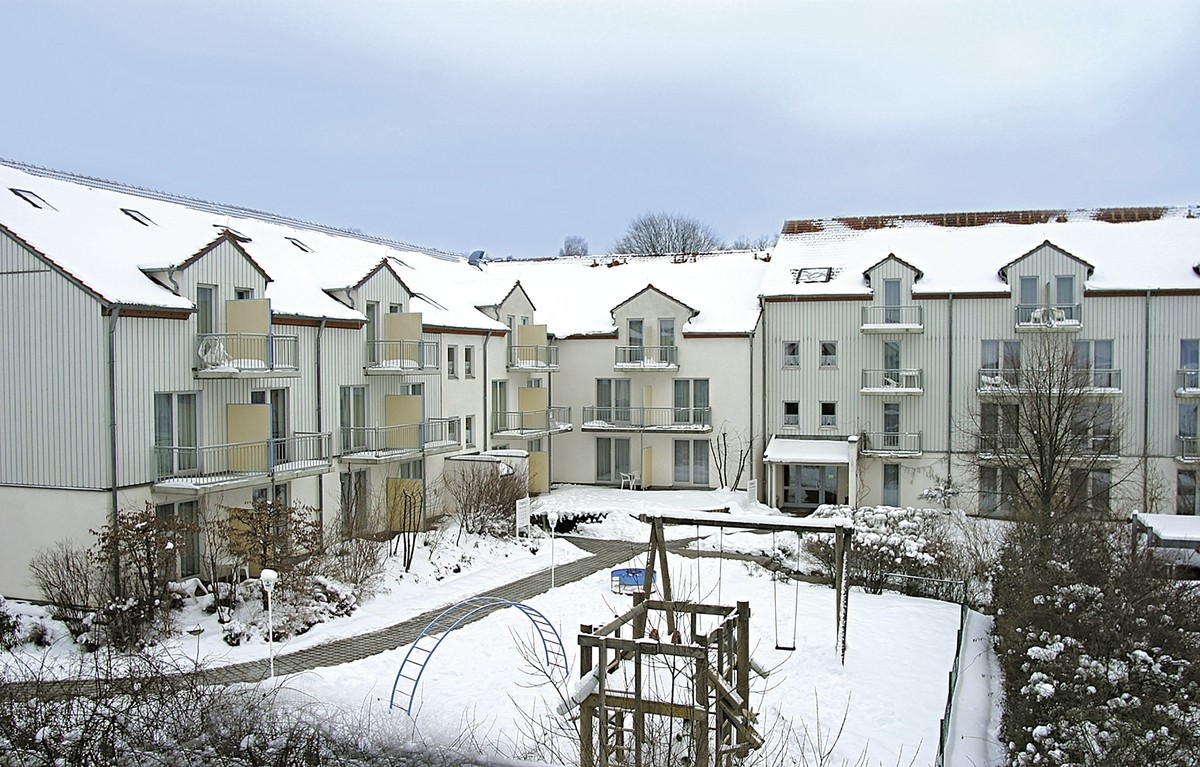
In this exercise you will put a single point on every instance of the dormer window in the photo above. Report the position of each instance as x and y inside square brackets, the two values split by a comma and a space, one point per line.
[137, 216]
[32, 198]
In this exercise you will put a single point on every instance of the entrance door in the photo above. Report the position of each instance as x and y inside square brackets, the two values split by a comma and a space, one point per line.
[807, 487]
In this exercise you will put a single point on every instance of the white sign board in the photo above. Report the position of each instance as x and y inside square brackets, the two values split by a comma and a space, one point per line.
[523, 506]
[752, 490]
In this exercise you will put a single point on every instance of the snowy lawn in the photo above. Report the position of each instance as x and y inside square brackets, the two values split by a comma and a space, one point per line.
[478, 686]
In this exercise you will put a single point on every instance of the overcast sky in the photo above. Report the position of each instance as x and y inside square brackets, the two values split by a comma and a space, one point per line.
[506, 126]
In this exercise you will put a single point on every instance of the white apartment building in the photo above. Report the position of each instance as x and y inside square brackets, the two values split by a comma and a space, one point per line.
[193, 356]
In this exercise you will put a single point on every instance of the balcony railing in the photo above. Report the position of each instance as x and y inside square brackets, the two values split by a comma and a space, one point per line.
[638, 357]
[1188, 448]
[893, 381]
[605, 418]
[531, 424]
[1048, 316]
[443, 433]
[213, 465]
[246, 354]
[1187, 381]
[891, 443]
[1093, 380]
[402, 356]
[381, 441]
[998, 444]
[891, 318]
[533, 358]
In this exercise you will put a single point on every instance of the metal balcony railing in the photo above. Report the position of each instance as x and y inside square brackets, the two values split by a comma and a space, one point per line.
[246, 352]
[647, 418]
[1189, 448]
[1187, 380]
[403, 356]
[443, 432]
[907, 315]
[647, 357]
[1043, 315]
[891, 443]
[531, 423]
[893, 379]
[533, 357]
[993, 379]
[379, 441]
[998, 444]
[215, 464]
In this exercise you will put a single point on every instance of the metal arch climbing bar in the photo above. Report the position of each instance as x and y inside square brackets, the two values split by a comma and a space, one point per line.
[432, 636]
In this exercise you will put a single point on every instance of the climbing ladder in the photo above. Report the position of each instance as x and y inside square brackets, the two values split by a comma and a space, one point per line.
[404, 689]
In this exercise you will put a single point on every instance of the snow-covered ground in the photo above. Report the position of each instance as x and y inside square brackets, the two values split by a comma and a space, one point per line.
[885, 701]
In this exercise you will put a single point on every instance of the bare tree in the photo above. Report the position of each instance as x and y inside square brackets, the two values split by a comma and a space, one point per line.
[270, 534]
[482, 496]
[1046, 435]
[761, 242]
[404, 523]
[573, 245]
[728, 460]
[660, 233]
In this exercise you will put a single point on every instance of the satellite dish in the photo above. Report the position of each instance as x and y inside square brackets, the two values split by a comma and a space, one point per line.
[475, 258]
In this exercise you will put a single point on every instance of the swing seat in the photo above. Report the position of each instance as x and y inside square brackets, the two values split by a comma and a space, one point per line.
[785, 648]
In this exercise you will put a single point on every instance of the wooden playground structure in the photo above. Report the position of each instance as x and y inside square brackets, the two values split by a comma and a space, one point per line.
[682, 691]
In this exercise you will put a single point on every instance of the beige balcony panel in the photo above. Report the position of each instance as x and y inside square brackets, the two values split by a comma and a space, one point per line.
[251, 321]
[539, 473]
[248, 424]
[402, 410]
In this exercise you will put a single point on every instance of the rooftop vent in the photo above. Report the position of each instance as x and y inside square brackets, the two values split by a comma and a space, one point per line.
[137, 216]
[32, 199]
[812, 274]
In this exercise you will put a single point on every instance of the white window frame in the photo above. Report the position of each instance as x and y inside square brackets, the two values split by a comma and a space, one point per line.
[827, 411]
[791, 354]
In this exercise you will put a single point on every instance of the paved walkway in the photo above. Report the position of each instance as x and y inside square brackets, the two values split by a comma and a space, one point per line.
[604, 555]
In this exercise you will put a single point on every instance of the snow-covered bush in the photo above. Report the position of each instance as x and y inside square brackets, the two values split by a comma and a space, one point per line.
[1098, 651]
[887, 540]
[70, 580]
[10, 627]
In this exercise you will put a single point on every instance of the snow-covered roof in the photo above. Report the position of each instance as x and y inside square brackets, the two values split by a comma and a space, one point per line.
[807, 451]
[1129, 248]
[107, 236]
[1170, 529]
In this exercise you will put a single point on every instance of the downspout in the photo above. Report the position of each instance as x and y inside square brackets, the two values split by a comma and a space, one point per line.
[1146, 412]
[114, 502]
[950, 391]
[750, 420]
[320, 423]
[768, 488]
[485, 427]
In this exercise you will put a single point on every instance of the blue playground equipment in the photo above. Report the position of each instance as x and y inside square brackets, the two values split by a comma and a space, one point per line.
[404, 689]
[630, 580]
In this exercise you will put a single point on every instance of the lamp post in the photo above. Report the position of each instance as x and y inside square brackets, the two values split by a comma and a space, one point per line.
[552, 520]
[268, 577]
[196, 631]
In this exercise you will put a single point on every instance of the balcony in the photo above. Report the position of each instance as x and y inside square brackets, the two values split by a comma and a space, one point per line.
[892, 319]
[247, 355]
[891, 443]
[533, 358]
[1099, 381]
[194, 470]
[1187, 449]
[1048, 317]
[1187, 383]
[648, 419]
[1077, 447]
[401, 357]
[442, 435]
[992, 445]
[892, 381]
[376, 444]
[531, 424]
[646, 358]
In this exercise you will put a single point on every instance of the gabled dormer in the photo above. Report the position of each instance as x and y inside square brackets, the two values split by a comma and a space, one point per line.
[394, 335]
[892, 309]
[529, 346]
[1047, 288]
[649, 327]
[234, 337]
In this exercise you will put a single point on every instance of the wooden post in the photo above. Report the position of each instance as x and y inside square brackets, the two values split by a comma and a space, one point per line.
[700, 722]
[602, 711]
[742, 669]
[587, 757]
[639, 713]
[839, 576]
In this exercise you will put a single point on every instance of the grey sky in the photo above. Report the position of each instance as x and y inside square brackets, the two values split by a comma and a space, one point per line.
[508, 125]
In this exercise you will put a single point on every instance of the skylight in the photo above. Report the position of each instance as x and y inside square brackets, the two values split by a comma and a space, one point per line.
[812, 274]
[299, 244]
[137, 216]
[32, 199]
[236, 234]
